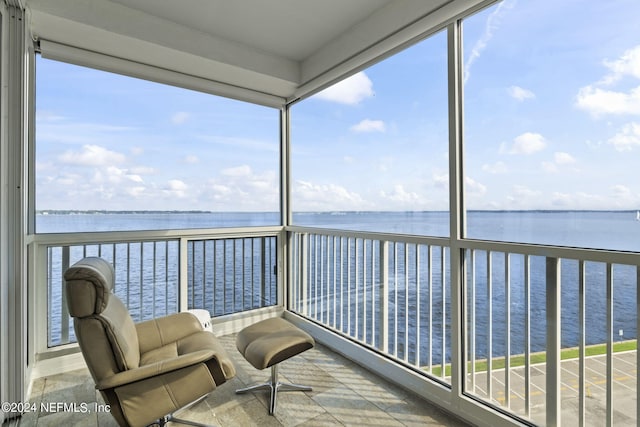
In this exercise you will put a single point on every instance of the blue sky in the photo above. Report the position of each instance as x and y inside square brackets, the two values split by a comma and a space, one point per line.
[552, 99]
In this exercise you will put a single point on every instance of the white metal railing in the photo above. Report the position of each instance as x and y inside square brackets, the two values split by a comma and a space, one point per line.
[147, 277]
[535, 317]
[390, 293]
[157, 273]
[232, 275]
[551, 332]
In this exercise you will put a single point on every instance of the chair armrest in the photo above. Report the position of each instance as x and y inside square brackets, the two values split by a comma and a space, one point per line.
[155, 333]
[155, 369]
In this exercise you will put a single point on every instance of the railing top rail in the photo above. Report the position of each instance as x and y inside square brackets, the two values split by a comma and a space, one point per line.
[98, 237]
[373, 235]
[564, 252]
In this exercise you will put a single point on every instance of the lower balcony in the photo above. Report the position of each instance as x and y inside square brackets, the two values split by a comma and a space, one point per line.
[527, 335]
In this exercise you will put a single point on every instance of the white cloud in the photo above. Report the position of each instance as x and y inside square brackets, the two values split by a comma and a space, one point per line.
[135, 178]
[549, 167]
[177, 185]
[135, 192]
[367, 125]
[623, 197]
[441, 181]
[350, 91]
[562, 158]
[528, 143]
[92, 155]
[473, 187]
[115, 176]
[66, 178]
[177, 188]
[385, 164]
[627, 65]
[522, 197]
[401, 196]
[318, 197]
[191, 159]
[493, 21]
[600, 101]
[143, 170]
[238, 171]
[240, 188]
[498, 167]
[180, 117]
[621, 191]
[520, 94]
[627, 138]
[578, 200]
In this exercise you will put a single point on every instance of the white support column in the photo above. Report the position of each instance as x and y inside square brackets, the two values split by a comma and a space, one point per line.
[456, 207]
[285, 166]
[285, 246]
[15, 105]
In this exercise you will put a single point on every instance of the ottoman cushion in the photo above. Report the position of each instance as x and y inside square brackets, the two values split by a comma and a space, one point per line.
[272, 341]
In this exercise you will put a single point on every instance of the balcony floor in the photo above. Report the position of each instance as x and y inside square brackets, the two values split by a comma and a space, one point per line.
[343, 394]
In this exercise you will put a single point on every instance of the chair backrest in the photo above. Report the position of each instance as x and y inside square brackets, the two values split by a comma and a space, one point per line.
[105, 331]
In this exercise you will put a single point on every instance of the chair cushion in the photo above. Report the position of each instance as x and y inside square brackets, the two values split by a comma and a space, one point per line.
[166, 352]
[122, 334]
[205, 340]
[89, 285]
[198, 341]
[142, 401]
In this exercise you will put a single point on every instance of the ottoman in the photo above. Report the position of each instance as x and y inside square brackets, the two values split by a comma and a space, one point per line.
[267, 343]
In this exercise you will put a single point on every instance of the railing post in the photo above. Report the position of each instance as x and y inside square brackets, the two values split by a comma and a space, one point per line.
[609, 368]
[383, 319]
[553, 306]
[637, 352]
[183, 282]
[304, 247]
[64, 311]
[263, 268]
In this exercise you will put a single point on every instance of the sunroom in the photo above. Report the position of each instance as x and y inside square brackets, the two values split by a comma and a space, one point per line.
[440, 191]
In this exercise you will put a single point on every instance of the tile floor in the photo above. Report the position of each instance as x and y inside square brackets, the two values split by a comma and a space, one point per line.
[344, 394]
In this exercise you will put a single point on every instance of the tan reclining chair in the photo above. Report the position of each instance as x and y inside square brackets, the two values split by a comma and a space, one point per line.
[145, 371]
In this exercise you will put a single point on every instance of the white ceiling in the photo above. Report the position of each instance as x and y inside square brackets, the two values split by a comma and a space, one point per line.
[280, 48]
[291, 29]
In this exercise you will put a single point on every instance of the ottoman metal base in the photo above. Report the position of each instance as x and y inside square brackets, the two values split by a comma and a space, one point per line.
[274, 386]
[267, 343]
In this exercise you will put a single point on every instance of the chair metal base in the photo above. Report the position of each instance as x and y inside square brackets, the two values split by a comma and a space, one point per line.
[274, 386]
[162, 422]
[171, 418]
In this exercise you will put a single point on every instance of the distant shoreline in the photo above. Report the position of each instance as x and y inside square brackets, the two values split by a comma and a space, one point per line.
[151, 212]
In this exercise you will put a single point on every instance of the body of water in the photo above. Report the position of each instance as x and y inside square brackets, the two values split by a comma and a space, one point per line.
[616, 230]
[613, 230]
